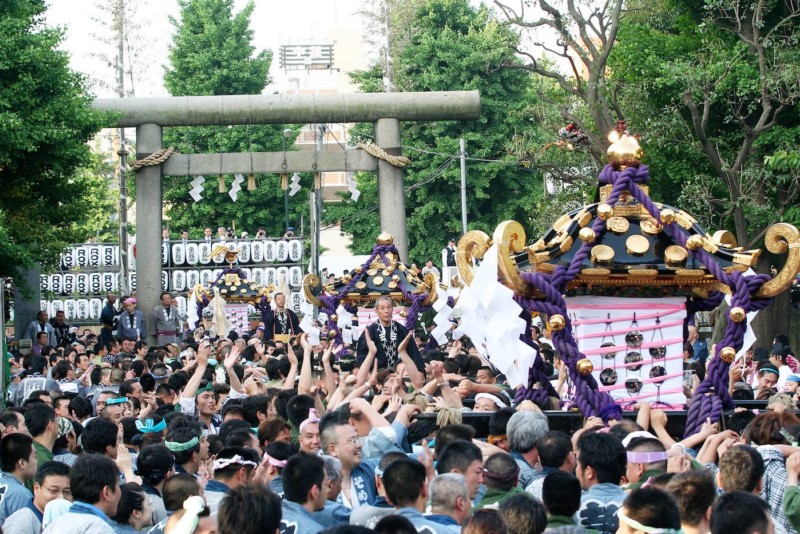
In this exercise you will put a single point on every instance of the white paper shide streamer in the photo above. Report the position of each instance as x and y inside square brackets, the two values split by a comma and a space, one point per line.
[197, 188]
[492, 321]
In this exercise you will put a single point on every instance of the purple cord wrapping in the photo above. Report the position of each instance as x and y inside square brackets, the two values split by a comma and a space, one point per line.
[590, 401]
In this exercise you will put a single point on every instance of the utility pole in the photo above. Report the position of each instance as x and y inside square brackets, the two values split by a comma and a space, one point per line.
[119, 27]
[463, 156]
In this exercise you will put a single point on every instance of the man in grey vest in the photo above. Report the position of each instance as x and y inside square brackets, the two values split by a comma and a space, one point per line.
[166, 321]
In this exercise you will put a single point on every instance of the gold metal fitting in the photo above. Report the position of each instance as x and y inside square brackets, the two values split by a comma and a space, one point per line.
[737, 314]
[667, 216]
[604, 211]
[557, 322]
[694, 242]
[585, 366]
[586, 235]
[727, 354]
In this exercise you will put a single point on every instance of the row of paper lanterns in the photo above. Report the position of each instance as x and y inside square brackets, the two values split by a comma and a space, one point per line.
[176, 280]
[90, 309]
[188, 253]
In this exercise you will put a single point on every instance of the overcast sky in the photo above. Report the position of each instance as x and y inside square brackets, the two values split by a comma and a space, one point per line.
[274, 23]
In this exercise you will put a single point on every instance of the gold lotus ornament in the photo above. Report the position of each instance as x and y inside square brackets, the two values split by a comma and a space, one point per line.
[694, 242]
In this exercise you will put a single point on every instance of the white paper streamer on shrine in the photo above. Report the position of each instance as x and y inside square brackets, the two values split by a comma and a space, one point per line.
[491, 319]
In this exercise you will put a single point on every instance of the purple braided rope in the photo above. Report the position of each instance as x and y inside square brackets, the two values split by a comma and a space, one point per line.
[712, 396]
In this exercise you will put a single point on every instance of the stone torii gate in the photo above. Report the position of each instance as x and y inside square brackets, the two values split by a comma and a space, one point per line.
[150, 115]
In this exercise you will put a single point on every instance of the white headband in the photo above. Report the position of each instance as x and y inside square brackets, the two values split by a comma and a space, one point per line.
[494, 398]
[222, 463]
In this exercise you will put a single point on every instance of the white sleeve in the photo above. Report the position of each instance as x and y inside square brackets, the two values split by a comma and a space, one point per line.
[187, 405]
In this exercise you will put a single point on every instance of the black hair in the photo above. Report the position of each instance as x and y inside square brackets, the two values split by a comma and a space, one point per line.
[277, 368]
[154, 464]
[245, 453]
[500, 471]
[231, 406]
[13, 448]
[182, 432]
[51, 469]
[61, 370]
[739, 512]
[249, 510]
[449, 433]
[561, 493]
[252, 405]
[554, 448]
[394, 524]
[644, 444]
[241, 437]
[130, 434]
[403, 480]
[605, 454]
[98, 435]
[523, 514]
[37, 417]
[90, 474]
[653, 507]
[38, 364]
[131, 500]
[228, 427]
[457, 456]
[177, 489]
[280, 450]
[301, 473]
[694, 492]
[298, 407]
[738, 421]
[499, 421]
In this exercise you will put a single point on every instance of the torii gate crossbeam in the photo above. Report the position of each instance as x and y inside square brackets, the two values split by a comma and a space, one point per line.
[385, 110]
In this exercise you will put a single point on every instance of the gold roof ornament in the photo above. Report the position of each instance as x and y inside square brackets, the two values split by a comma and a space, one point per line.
[633, 245]
[385, 275]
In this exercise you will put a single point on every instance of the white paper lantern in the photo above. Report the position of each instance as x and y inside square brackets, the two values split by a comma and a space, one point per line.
[181, 303]
[269, 251]
[295, 301]
[94, 255]
[164, 280]
[69, 284]
[206, 277]
[179, 280]
[192, 278]
[281, 251]
[131, 281]
[83, 309]
[82, 283]
[164, 253]
[244, 252]
[95, 309]
[70, 309]
[270, 276]
[95, 283]
[295, 276]
[109, 282]
[219, 258]
[258, 276]
[110, 255]
[295, 250]
[192, 254]
[56, 283]
[80, 256]
[44, 283]
[246, 273]
[257, 251]
[283, 277]
[178, 253]
[132, 256]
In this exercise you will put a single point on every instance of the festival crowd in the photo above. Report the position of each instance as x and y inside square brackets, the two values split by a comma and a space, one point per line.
[265, 432]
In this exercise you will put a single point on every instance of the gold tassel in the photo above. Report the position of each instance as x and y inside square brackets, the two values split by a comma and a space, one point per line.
[284, 182]
[251, 182]
[221, 180]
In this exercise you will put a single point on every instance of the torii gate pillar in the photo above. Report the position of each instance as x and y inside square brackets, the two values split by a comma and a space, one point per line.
[391, 197]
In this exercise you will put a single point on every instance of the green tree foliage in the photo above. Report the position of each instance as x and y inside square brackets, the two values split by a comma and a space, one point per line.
[211, 55]
[451, 45]
[713, 89]
[45, 123]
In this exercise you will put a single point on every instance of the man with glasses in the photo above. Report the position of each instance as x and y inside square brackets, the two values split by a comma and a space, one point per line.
[51, 482]
[358, 475]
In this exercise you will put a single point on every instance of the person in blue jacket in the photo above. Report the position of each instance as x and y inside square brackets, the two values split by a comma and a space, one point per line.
[305, 490]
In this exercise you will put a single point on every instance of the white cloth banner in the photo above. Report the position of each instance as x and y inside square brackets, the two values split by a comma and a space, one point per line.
[635, 345]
